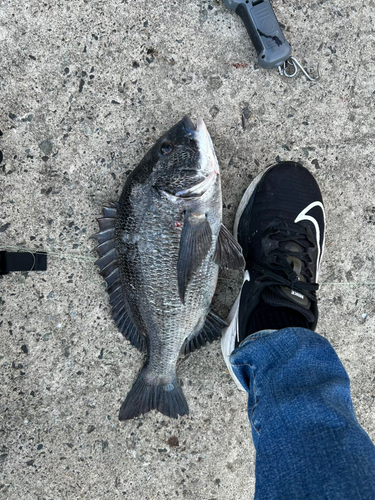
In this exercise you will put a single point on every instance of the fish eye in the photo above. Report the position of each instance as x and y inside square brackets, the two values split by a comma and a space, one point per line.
[166, 148]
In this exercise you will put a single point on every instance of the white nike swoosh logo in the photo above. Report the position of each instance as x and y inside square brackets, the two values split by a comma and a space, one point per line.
[302, 216]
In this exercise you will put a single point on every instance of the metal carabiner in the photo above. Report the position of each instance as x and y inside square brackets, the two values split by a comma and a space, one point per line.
[292, 61]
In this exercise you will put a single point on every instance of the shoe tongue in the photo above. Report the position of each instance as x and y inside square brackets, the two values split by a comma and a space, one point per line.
[285, 297]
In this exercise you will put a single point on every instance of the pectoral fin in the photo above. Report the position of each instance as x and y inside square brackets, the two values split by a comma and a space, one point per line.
[228, 253]
[195, 243]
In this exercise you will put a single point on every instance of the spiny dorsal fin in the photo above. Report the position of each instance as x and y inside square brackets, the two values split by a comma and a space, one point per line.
[228, 253]
[195, 243]
[107, 264]
[211, 331]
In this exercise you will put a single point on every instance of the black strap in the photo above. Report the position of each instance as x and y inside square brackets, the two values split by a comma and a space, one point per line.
[22, 261]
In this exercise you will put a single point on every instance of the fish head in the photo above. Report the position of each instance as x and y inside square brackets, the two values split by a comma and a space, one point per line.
[185, 162]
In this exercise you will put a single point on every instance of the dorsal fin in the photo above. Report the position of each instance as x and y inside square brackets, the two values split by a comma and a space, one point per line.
[107, 264]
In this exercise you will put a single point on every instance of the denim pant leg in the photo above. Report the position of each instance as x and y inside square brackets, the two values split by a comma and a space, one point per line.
[309, 444]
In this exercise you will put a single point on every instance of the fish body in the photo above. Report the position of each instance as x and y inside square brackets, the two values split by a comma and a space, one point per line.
[163, 246]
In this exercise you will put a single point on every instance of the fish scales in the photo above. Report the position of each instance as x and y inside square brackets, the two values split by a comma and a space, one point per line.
[167, 320]
[165, 269]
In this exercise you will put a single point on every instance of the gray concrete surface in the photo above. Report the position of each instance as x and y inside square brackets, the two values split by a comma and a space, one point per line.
[86, 87]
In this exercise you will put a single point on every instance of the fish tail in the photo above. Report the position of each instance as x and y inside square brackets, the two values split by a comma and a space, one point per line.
[145, 396]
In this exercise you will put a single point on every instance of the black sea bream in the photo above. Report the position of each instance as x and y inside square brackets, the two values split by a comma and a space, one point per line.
[160, 249]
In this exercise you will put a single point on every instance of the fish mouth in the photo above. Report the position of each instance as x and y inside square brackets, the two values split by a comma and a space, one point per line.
[208, 160]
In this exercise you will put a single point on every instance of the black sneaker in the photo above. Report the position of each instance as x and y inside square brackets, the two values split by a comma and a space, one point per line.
[280, 226]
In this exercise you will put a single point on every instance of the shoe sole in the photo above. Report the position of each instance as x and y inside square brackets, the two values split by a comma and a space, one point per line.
[228, 339]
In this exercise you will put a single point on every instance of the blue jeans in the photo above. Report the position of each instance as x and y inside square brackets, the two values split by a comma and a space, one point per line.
[308, 441]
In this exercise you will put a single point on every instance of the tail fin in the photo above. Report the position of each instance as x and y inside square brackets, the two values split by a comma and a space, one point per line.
[143, 397]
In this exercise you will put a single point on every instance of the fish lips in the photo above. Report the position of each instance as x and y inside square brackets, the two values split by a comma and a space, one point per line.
[199, 134]
[189, 127]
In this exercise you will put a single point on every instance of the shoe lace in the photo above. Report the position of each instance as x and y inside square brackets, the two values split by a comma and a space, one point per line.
[275, 269]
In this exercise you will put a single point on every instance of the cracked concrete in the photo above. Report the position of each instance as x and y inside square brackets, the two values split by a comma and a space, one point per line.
[86, 88]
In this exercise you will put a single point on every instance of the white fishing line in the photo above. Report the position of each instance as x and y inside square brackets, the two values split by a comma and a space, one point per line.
[51, 253]
[87, 258]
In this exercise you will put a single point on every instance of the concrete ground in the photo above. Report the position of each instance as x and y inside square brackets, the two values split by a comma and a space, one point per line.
[86, 88]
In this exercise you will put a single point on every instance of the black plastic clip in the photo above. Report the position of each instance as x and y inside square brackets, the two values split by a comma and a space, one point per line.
[22, 261]
[265, 32]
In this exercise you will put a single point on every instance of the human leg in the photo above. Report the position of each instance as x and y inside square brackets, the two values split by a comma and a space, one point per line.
[308, 441]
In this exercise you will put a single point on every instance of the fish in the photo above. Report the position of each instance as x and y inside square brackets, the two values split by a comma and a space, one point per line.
[160, 247]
